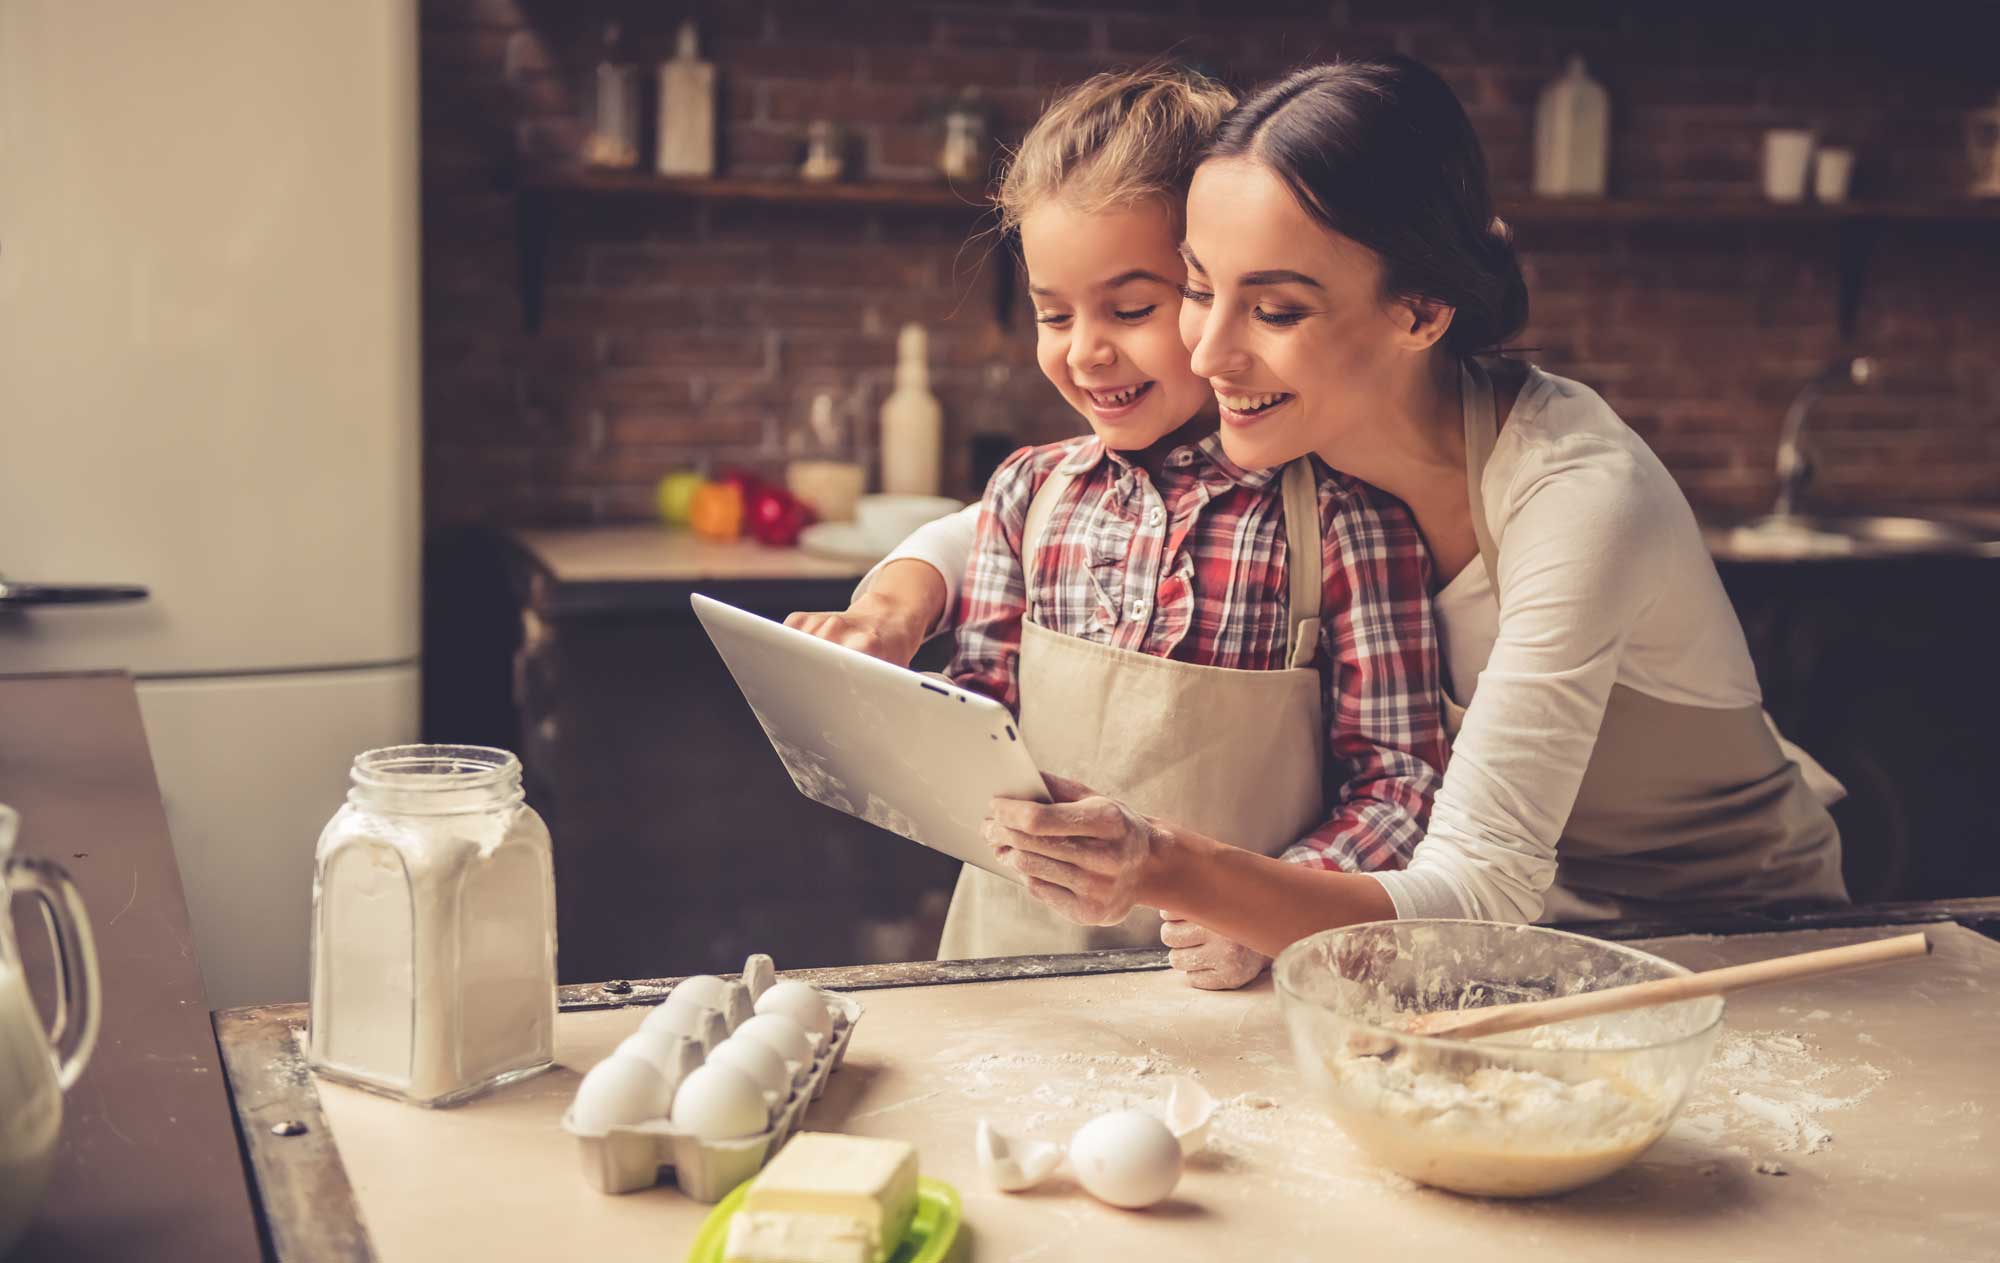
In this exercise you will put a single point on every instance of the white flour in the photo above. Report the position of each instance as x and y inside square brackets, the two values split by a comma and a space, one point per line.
[1769, 1090]
[433, 975]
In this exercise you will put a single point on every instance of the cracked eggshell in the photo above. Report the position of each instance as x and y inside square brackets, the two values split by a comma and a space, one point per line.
[1190, 1109]
[620, 1090]
[1126, 1159]
[1012, 1165]
[803, 1003]
[720, 1103]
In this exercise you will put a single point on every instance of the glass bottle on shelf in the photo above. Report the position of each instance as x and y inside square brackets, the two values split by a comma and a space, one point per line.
[611, 109]
[434, 932]
[964, 154]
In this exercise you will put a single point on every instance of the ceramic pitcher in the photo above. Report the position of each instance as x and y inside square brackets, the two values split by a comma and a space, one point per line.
[38, 1066]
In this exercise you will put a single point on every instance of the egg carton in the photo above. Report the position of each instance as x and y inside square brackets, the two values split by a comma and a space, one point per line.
[625, 1159]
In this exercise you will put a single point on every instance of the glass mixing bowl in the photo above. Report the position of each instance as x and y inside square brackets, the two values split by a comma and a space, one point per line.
[1521, 1115]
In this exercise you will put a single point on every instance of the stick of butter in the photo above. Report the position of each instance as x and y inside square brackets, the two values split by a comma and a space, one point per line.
[867, 1179]
[767, 1237]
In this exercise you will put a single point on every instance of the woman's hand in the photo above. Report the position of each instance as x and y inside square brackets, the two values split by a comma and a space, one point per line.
[890, 620]
[1085, 855]
[1210, 961]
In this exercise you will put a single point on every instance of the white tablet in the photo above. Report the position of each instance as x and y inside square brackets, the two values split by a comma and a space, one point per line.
[908, 752]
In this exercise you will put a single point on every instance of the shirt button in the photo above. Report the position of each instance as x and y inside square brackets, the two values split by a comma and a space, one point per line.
[1155, 515]
[1138, 610]
[1183, 456]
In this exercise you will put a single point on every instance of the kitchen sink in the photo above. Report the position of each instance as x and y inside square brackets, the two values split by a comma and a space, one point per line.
[1811, 536]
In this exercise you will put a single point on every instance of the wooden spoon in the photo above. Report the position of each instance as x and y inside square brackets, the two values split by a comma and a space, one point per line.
[1498, 1019]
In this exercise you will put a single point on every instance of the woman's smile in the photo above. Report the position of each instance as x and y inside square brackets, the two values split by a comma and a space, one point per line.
[1242, 408]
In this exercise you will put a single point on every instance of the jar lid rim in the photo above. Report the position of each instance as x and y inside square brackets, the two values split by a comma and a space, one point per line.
[440, 768]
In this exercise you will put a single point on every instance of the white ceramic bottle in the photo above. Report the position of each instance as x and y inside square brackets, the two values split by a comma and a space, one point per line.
[912, 436]
[1572, 135]
[687, 110]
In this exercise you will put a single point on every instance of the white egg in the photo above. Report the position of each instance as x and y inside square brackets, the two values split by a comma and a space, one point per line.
[1128, 1159]
[720, 1103]
[803, 1003]
[703, 991]
[706, 1027]
[758, 1060]
[672, 1055]
[784, 1036]
[620, 1090]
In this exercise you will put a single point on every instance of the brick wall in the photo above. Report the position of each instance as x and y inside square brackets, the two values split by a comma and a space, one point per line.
[696, 334]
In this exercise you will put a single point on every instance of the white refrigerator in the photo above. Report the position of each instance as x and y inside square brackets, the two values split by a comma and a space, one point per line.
[209, 387]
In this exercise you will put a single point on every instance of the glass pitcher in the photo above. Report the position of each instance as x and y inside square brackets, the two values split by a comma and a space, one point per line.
[34, 1069]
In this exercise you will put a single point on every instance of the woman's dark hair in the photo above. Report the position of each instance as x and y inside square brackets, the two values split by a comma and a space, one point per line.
[1381, 152]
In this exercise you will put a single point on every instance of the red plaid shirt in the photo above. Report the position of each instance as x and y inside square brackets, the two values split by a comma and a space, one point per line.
[1193, 569]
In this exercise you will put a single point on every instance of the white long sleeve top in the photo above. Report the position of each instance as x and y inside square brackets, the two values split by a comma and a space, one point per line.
[1606, 581]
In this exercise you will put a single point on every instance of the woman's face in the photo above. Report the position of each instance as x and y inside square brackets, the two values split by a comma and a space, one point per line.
[1106, 287]
[1286, 320]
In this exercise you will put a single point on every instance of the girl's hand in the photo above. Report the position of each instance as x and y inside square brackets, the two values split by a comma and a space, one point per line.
[1085, 855]
[878, 626]
[1210, 961]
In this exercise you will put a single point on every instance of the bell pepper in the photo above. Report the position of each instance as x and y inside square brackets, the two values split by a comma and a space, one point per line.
[716, 512]
[774, 517]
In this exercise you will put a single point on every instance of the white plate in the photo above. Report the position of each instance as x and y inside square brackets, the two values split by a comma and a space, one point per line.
[842, 541]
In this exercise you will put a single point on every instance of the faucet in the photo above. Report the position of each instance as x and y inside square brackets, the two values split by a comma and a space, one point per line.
[1795, 468]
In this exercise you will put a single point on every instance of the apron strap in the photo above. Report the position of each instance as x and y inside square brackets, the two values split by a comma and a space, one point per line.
[1047, 496]
[1475, 393]
[1303, 559]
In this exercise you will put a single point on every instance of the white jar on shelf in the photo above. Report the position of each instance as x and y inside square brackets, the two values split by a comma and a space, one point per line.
[434, 941]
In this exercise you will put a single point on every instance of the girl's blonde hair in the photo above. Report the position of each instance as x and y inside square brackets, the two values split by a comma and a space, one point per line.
[1115, 140]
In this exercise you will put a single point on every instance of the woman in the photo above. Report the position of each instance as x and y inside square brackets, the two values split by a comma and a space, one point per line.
[1347, 284]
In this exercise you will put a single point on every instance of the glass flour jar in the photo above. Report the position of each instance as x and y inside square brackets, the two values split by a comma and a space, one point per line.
[434, 942]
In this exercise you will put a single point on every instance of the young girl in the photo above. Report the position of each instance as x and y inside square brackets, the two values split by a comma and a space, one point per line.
[1216, 645]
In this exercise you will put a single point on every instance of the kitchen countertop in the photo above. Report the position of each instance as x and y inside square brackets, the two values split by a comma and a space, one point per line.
[148, 1165]
[1893, 1065]
[612, 569]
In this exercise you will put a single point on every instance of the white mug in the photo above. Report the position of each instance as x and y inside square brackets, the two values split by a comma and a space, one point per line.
[1787, 160]
[33, 1074]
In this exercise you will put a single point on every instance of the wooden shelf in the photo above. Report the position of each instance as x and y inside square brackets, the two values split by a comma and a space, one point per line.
[881, 193]
[1590, 210]
[1858, 223]
[537, 190]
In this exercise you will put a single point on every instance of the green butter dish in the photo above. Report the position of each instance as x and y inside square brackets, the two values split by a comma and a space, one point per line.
[929, 1239]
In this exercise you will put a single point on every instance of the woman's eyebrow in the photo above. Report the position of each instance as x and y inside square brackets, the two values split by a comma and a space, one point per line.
[1187, 253]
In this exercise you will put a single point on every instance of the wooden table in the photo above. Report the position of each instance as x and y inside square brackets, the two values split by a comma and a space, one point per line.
[148, 1166]
[1894, 1066]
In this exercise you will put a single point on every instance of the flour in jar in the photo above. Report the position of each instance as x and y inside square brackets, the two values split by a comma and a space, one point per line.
[434, 939]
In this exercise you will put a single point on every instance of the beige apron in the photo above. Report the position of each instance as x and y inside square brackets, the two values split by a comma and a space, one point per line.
[1236, 755]
[1679, 804]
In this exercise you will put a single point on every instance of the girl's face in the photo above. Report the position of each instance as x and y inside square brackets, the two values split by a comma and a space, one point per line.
[1106, 289]
[1286, 320]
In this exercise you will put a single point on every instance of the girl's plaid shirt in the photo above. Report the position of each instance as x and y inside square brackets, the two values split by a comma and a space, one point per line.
[1193, 568]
